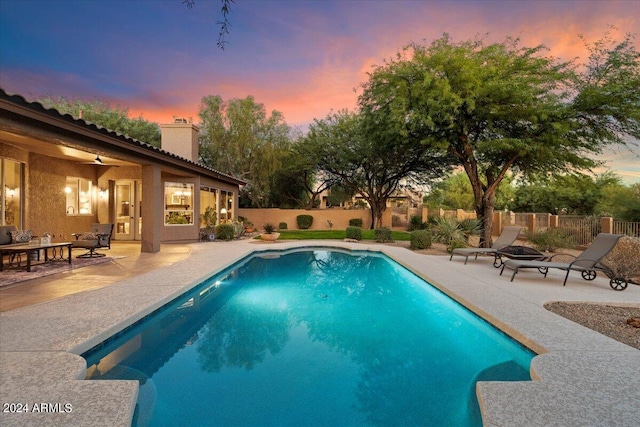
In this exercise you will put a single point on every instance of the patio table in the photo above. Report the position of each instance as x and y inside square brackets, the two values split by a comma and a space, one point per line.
[57, 253]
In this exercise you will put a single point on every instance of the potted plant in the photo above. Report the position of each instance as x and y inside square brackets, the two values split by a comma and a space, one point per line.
[208, 220]
[248, 226]
[269, 234]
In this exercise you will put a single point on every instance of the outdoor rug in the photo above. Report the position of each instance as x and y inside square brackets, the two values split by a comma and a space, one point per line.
[10, 276]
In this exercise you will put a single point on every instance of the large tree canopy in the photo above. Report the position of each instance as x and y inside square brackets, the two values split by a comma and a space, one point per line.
[239, 138]
[111, 117]
[501, 107]
[364, 158]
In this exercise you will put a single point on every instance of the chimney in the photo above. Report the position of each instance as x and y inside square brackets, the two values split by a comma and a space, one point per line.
[180, 138]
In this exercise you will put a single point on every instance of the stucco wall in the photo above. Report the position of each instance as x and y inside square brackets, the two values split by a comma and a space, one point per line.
[339, 217]
[46, 212]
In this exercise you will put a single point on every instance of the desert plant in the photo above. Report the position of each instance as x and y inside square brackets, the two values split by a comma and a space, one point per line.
[383, 235]
[354, 233]
[470, 227]
[269, 228]
[551, 239]
[355, 222]
[330, 224]
[396, 221]
[304, 221]
[415, 223]
[224, 231]
[448, 232]
[282, 226]
[420, 239]
[238, 229]
[624, 259]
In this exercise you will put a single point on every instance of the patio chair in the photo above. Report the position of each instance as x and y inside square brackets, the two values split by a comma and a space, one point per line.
[506, 238]
[98, 238]
[587, 263]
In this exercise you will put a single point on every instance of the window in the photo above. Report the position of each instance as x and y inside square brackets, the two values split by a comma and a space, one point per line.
[79, 196]
[178, 203]
[208, 198]
[11, 197]
[226, 206]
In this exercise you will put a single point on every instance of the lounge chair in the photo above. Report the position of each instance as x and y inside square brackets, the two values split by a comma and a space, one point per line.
[98, 238]
[506, 238]
[587, 263]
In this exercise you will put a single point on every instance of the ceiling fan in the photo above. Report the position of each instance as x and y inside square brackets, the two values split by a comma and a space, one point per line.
[97, 161]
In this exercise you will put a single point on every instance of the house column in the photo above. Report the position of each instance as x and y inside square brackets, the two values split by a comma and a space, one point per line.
[152, 208]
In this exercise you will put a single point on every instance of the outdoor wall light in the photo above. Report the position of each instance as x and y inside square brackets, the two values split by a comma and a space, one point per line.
[67, 190]
[103, 193]
[11, 192]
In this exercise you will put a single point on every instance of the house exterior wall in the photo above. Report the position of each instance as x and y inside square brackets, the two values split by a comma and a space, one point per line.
[45, 180]
[53, 147]
[44, 190]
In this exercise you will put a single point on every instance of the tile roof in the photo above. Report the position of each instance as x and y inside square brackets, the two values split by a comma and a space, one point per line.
[38, 107]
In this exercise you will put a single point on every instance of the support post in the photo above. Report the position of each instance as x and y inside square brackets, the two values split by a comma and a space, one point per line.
[152, 209]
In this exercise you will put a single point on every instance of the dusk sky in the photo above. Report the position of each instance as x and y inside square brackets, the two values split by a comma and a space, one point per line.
[302, 58]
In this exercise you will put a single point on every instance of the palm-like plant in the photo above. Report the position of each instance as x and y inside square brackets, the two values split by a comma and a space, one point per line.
[448, 232]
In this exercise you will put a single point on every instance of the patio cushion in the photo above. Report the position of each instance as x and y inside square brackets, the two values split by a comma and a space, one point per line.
[89, 236]
[5, 234]
[21, 236]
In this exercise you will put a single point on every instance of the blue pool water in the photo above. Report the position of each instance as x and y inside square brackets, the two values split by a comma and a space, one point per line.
[311, 338]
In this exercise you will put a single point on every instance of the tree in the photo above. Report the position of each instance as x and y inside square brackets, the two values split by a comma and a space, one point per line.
[573, 194]
[503, 108]
[579, 194]
[103, 114]
[225, 10]
[239, 138]
[620, 202]
[355, 152]
[293, 182]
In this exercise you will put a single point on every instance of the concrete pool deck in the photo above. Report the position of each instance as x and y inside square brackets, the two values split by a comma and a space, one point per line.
[581, 378]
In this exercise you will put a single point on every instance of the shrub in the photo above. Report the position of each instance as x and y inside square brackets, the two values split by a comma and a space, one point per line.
[420, 239]
[448, 232]
[354, 233]
[551, 239]
[415, 223]
[383, 235]
[282, 226]
[224, 232]
[304, 221]
[624, 259]
[355, 222]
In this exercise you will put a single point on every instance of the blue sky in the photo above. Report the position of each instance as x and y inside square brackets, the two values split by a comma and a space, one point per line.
[302, 58]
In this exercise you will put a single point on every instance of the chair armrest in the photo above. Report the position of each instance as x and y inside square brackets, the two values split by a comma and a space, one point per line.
[76, 235]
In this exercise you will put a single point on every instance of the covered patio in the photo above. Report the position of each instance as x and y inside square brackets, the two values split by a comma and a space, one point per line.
[61, 174]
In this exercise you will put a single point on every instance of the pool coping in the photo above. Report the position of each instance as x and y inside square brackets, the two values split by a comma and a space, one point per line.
[581, 377]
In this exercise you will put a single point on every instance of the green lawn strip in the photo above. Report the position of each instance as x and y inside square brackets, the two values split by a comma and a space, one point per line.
[334, 234]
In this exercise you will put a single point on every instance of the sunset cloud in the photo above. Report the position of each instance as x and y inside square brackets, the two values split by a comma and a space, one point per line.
[303, 59]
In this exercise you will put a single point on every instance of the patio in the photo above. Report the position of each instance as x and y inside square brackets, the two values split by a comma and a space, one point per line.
[583, 378]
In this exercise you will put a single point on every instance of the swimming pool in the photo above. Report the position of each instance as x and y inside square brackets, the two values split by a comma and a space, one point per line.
[311, 337]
